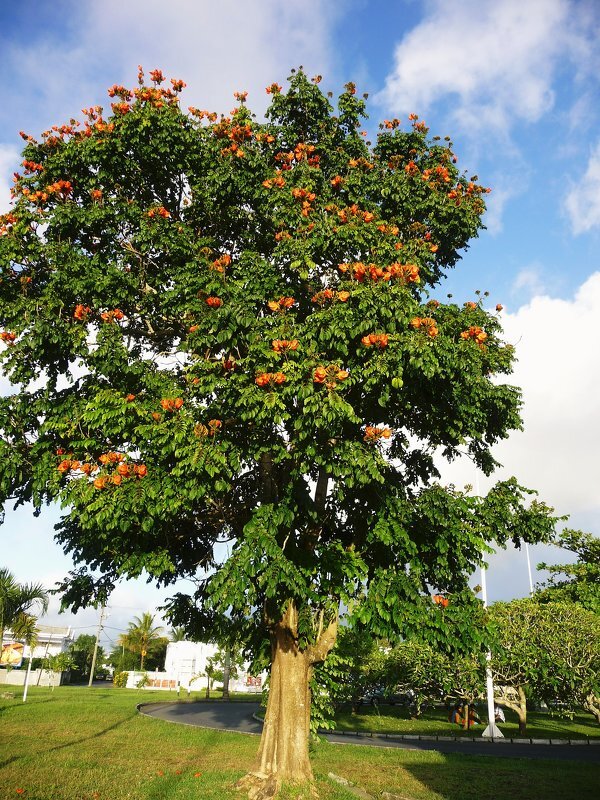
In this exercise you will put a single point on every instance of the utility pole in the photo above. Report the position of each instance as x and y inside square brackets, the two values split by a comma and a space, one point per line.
[103, 609]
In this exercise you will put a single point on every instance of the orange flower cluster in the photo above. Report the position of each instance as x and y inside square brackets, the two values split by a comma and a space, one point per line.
[201, 431]
[278, 181]
[476, 333]
[330, 375]
[62, 188]
[81, 312]
[220, 263]
[111, 316]
[392, 230]
[270, 378]
[159, 211]
[337, 182]
[306, 197]
[360, 162]
[157, 76]
[345, 214]
[282, 304]
[439, 173]
[390, 124]
[440, 600]
[328, 294]
[265, 137]
[429, 324]
[375, 340]
[281, 235]
[285, 345]
[6, 221]
[406, 273]
[130, 397]
[274, 88]
[411, 168]
[214, 302]
[171, 403]
[499, 307]
[8, 337]
[373, 434]
[304, 151]
[211, 116]
[32, 166]
[96, 194]
[120, 91]
[470, 305]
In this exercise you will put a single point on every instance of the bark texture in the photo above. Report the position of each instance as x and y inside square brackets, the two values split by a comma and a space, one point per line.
[283, 751]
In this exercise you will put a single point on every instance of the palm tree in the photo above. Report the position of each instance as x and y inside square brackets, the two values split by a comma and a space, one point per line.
[18, 599]
[141, 635]
[177, 634]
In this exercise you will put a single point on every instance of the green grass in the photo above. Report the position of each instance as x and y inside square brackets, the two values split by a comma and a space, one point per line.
[91, 744]
[434, 722]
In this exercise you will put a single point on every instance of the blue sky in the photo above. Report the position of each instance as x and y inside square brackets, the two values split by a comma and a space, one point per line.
[515, 84]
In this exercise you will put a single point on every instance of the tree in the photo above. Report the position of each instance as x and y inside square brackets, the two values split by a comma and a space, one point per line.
[236, 323]
[82, 653]
[549, 650]
[578, 582]
[17, 600]
[142, 636]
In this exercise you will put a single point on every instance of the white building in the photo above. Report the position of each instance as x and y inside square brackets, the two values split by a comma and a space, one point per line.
[51, 641]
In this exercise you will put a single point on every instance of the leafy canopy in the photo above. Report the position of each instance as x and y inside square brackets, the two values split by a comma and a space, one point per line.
[221, 329]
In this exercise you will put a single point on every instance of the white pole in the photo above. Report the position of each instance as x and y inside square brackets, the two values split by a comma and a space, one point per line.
[492, 731]
[529, 569]
[27, 673]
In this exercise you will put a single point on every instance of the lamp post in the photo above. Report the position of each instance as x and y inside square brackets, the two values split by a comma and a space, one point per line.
[492, 731]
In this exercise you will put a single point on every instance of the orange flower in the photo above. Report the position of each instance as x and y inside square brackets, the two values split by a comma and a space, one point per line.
[375, 339]
[86, 468]
[499, 307]
[96, 194]
[343, 296]
[193, 328]
[156, 416]
[373, 434]
[337, 182]
[8, 337]
[117, 479]
[342, 374]
[123, 469]
[320, 375]
[130, 398]
[140, 470]
[64, 466]
[279, 377]
[283, 345]
[470, 305]
[81, 311]
[281, 304]
[440, 600]
[262, 379]
[214, 302]
[100, 483]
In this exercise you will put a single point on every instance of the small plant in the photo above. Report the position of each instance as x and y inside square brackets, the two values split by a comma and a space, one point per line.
[120, 679]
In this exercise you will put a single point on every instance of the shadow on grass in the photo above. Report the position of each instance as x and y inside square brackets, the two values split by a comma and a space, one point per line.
[82, 739]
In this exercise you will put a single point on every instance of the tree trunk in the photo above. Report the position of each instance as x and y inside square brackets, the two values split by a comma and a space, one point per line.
[283, 751]
[592, 704]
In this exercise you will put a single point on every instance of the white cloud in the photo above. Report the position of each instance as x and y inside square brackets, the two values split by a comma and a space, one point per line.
[9, 160]
[495, 60]
[216, 48]
[558, 452]
[582, 203]
[529, 279]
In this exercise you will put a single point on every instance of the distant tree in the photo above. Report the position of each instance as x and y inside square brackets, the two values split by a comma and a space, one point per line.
[82, 652]
[142, 636]
[17, 599]
[548, 650]
[578, 582]
[177, 634]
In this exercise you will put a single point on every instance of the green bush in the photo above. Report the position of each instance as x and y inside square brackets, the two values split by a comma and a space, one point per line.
[120, 679]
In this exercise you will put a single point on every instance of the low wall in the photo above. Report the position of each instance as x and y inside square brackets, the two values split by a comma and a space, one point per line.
[37, 677]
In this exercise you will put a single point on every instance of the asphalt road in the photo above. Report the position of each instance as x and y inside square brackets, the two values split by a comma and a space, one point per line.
[238, 717]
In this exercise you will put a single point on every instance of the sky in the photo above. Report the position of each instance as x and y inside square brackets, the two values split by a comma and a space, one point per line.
[516, 85]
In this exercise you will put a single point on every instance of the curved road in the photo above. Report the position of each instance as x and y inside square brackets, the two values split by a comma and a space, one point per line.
[238, 718]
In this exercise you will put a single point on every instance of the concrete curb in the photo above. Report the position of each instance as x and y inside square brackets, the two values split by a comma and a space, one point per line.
[411, 737]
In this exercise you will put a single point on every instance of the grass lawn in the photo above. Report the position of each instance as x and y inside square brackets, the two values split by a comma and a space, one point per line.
[91, 744]
[434, 722]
